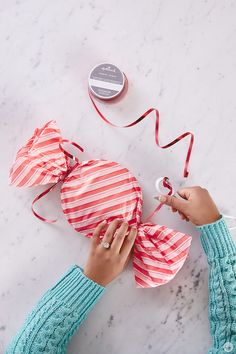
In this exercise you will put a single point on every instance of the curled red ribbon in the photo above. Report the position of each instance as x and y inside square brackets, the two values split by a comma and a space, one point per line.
[62, 177]
[144, 115]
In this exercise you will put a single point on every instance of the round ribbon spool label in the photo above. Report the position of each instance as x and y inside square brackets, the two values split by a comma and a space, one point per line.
[106, 81]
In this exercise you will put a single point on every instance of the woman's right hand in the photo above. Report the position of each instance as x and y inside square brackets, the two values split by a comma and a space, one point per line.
[105, 264]
[198, 206]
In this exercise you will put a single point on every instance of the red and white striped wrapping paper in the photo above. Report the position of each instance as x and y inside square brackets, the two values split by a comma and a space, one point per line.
[95, 190]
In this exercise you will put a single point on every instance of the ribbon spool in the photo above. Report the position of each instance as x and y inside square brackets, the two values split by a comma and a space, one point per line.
[106, 81]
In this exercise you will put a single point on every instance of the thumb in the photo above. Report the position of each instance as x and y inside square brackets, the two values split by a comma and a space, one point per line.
[174, 202]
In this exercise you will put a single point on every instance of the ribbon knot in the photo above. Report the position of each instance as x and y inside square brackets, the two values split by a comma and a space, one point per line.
[64, 174]
[61, 178]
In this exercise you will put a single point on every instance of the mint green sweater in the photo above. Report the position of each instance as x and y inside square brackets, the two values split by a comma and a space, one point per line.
[63, 308]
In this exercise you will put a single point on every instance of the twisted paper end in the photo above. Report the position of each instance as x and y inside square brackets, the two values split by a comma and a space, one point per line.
[159, 253]
[41, 161]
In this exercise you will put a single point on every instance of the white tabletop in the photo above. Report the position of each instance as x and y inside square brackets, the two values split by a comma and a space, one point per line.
[179, 56]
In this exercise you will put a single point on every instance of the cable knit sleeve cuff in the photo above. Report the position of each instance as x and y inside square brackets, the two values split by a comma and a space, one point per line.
[76, 291]
[216, 239]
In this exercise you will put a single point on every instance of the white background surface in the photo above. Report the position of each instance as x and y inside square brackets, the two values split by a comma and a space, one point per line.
[179, 56]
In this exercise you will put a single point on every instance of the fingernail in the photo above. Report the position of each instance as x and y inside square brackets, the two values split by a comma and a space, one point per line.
[104, 222]
[134, 228]
[162, 198]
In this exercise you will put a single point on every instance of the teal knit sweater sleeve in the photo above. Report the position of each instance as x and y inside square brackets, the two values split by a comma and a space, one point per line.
[57, 315]
[221, 254]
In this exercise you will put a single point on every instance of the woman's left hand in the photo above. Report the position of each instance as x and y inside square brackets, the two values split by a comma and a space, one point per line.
[105, 264]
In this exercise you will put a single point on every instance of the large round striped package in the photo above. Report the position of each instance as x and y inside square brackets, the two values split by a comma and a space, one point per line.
[95, 190]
